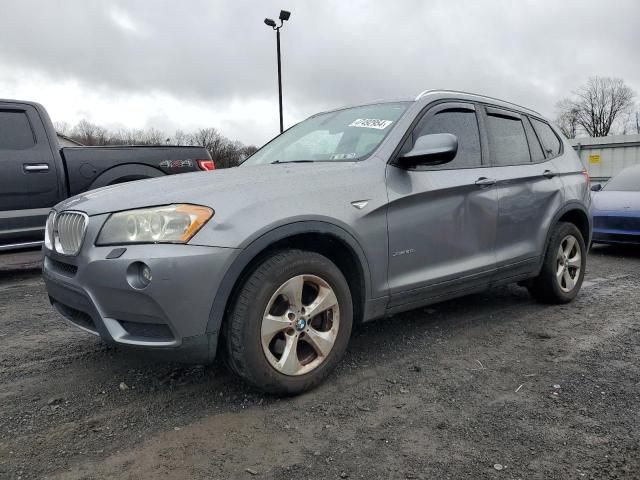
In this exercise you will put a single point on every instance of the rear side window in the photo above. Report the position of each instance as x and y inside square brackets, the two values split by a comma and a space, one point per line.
[15, 130]
[549, 139]
[507, 140]
[464, 125]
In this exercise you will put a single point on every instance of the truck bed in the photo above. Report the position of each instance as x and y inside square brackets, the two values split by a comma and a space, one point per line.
[93, 167]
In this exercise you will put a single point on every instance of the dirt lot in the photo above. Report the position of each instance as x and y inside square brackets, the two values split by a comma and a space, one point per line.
[490, 386]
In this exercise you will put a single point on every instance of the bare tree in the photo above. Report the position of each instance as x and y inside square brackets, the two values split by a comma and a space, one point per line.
[224, 152]
[567, 118]
[89, 133]
[181, 138]
[62, 128]
[598, 104]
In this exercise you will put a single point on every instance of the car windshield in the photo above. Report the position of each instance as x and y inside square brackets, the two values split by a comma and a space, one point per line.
[626, 181]
[343, 135]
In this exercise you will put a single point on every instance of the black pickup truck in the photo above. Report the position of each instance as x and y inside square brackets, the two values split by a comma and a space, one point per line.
[36, 173]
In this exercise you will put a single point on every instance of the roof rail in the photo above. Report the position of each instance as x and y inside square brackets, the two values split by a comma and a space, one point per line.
[422, 94]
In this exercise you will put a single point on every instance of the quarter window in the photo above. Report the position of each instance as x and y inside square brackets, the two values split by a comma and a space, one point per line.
[507, 140]
[464, 125]
[534, 144]
[549, 139]
[15, 130]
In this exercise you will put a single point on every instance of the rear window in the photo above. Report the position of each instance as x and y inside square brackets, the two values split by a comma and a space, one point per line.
[626, 181]
[549, 139]
[15, 130]
[507, 140]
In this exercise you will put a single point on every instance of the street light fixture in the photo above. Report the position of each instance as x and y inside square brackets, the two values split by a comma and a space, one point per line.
[284, 16]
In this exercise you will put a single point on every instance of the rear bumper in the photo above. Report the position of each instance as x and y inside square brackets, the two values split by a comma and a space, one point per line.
[169, 316]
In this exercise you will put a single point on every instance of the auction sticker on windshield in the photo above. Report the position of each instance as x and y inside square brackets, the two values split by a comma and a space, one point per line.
[371, 123]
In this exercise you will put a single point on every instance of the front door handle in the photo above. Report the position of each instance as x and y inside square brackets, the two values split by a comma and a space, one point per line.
[485, 182]
[36, 167]
[549, 174]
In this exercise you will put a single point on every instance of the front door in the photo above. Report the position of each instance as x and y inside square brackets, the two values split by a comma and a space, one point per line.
[28, 177]
[442, 219]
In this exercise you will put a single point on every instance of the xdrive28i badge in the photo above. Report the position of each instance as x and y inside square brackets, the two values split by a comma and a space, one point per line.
[177, 163]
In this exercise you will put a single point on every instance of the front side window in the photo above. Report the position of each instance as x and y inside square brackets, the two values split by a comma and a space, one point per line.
[344, 135]
[15, 130]
[507, 140]
[549, 139]
[464, 125]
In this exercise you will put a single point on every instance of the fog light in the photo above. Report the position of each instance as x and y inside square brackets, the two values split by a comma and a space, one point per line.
[139, 275]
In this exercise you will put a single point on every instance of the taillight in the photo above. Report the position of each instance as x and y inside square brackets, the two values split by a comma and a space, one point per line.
[206, 165]
[586, 176]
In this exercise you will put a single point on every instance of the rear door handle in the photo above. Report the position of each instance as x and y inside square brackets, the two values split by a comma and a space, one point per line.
[36, 167]
[485, 182]
[549, 174]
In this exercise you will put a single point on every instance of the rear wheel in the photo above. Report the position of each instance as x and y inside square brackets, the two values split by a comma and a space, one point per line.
[564, 265]
[291, 322]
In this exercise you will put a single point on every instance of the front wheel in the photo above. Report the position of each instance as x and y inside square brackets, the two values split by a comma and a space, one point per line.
[564, 265]
[290, 323]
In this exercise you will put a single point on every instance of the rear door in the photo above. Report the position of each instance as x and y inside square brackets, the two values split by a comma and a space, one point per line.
[28, 181]
[529, 191]
[442, 219]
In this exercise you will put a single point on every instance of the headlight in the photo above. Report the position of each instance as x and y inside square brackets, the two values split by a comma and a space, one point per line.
[48, 230]
[168, 224]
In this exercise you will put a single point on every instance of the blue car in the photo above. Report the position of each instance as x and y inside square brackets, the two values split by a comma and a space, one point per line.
[616, 208]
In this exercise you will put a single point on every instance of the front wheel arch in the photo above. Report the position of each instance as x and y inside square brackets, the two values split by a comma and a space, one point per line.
[320, 237]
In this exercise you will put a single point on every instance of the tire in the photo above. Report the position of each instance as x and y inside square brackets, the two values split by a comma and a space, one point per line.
[552, 284]
[264, 324]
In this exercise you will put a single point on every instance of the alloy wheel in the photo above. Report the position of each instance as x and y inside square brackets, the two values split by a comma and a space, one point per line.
[569, 263]
[300, 325]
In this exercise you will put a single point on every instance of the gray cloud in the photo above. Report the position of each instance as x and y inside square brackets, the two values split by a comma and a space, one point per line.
[212, 53]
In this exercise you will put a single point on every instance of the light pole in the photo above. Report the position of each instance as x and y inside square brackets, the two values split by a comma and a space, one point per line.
[284, 16]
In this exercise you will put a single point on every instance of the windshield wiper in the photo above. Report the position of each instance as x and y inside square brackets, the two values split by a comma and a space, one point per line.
[292, 161]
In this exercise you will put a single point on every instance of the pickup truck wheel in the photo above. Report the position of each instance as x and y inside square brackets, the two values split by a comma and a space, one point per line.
[290, 324]
[563, 269]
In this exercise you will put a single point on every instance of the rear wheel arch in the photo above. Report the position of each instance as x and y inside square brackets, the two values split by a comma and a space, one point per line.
[575, 213]
[125, 173]
[580, 219]
[324, 238]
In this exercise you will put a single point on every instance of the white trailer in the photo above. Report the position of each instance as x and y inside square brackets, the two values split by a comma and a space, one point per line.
[605, 157]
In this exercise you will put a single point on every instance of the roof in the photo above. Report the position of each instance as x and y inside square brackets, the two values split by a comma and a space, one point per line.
[475, 96]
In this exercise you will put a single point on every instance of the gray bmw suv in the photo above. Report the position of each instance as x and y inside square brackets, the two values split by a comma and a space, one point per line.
[348, 216]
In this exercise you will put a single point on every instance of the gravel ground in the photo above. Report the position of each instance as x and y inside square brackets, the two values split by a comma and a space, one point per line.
[489, 386]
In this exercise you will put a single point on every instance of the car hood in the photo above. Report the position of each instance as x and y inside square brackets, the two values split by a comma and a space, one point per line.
[612, 200]
[246, 184]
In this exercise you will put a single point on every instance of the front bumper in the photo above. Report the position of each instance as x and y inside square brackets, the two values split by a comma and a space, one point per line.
[170, 315]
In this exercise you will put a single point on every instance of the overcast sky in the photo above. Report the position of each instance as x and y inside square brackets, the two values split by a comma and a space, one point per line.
[195, 63]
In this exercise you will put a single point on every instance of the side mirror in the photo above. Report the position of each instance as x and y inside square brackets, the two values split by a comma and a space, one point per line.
[596, 187]
[433, 149]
